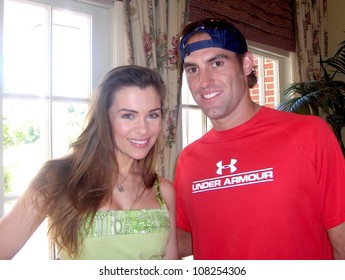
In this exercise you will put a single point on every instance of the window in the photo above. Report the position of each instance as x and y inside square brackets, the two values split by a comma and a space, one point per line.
[52, 59]
[194, 121]
[271, 73]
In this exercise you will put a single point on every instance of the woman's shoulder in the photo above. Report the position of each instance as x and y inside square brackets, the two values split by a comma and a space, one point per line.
[165, 184]
[167, 190]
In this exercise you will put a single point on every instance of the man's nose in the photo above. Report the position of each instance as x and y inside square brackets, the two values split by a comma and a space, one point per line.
[206, 78]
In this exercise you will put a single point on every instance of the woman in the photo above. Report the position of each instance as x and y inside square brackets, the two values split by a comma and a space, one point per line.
[104, 199]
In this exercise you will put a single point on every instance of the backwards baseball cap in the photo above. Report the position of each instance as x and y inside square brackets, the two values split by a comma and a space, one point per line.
[223, 35]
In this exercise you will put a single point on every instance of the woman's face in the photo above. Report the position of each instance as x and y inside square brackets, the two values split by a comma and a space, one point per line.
[135, 117]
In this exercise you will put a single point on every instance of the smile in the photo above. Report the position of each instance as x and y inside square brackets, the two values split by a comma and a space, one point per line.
[211, 95]
[138, 142]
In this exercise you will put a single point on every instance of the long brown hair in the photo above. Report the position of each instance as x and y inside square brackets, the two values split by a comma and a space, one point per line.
[71, 189]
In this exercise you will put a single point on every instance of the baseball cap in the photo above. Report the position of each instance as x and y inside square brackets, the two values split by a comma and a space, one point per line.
[223, 35]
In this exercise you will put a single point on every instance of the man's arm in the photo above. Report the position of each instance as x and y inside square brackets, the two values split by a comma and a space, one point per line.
[337, 237]
[184, 243]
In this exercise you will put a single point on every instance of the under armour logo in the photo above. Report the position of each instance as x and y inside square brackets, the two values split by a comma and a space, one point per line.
[232, 166]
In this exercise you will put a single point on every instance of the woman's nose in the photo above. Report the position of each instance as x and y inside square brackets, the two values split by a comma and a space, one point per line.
[142, 126]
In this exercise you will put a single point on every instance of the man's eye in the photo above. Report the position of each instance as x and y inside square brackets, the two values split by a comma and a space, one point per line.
[218, 63]
[191, 70]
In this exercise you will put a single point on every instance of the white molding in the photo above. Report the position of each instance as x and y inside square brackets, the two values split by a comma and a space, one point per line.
[102, 3]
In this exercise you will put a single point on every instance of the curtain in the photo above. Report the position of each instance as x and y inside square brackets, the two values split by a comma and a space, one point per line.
[312, 39]
[152, 29]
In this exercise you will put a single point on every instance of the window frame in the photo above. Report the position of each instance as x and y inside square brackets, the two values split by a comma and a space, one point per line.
[116, 55]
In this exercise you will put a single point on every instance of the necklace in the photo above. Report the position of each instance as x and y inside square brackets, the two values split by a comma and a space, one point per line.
[120, 187]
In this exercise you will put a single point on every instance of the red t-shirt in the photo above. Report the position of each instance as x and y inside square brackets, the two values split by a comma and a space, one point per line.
[267, 189]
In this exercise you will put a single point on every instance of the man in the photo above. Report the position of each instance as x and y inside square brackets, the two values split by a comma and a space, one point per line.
[262, 184]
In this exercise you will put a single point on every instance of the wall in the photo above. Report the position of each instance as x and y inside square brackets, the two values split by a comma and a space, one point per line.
[336, 31]
[336, 25]
[262, 21]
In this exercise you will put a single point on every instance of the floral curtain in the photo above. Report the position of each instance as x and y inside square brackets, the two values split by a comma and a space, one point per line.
[312, 39]
[152, 28]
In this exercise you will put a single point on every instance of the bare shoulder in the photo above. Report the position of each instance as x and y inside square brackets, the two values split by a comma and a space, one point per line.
[166, 185]
[167, 191]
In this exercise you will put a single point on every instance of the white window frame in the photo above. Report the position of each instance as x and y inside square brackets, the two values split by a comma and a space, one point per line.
[100, 64]
[116, 55]
[284, 71]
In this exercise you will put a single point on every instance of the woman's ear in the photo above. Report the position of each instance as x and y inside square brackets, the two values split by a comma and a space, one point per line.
[247, 63]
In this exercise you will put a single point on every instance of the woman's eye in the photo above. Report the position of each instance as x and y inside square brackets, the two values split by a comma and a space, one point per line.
[154, 116]
[127, 116]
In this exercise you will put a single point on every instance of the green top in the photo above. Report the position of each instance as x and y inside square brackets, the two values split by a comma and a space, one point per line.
[127, 234]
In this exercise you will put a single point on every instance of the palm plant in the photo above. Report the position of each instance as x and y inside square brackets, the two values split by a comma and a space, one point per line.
[337, 62]
[324, 98]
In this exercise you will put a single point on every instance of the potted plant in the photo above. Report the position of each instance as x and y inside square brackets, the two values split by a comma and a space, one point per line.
[324, 97]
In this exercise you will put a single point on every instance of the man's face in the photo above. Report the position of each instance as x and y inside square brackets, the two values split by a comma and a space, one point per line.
[217, 80]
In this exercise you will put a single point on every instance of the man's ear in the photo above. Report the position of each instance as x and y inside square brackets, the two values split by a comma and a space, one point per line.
[247, 63]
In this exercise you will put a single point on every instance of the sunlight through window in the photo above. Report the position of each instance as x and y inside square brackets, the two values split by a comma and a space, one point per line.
[47, 84]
